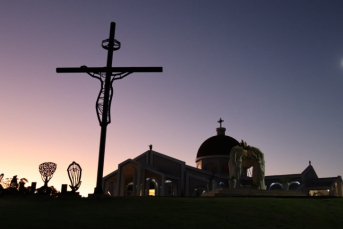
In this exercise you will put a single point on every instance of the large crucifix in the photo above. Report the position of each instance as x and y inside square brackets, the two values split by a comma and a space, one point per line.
[106, 75]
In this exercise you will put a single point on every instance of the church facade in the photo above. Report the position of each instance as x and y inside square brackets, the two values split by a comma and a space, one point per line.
[155, 174]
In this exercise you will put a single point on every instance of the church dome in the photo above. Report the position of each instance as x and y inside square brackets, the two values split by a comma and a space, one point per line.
[217, 145]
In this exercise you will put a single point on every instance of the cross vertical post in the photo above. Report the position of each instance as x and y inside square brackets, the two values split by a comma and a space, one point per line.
[98, 188]
[106, 75]
[220, 122]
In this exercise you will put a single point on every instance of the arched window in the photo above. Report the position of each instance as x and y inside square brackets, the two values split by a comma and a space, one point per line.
[276, 186]
[169, 188]
[294, 185]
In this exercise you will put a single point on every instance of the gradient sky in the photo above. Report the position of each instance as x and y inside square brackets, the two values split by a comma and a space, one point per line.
[273, 70]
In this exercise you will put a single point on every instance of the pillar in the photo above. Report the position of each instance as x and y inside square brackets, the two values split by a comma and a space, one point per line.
[139, 181]
[64, 188]
[163, 180]
[143, 183]
[33, 187]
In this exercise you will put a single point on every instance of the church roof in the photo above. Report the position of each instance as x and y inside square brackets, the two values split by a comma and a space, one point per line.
[217, 145]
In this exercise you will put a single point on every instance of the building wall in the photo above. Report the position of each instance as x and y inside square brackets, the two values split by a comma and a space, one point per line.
[110, 184]
[196, 184]
[217, 164]
[142, 159]
[311, 175]
[167, 166]
[186, 179]
[198, 173]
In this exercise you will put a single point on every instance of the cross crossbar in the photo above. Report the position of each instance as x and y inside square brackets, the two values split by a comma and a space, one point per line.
[113, 69]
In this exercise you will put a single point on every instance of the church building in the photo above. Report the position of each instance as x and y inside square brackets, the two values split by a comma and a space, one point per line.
[155, 174]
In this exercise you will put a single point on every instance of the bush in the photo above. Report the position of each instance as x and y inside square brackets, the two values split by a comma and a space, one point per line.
[49, 191]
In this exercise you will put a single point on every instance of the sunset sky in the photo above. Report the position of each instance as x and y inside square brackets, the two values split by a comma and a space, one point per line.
[272, 70]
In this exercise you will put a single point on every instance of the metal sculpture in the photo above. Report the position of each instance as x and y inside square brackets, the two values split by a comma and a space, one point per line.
[106, 75]
[74, 172]
[47, 170]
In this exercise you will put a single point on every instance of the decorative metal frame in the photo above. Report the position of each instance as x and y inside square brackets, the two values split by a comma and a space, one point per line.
[47, 170]
[74, 172]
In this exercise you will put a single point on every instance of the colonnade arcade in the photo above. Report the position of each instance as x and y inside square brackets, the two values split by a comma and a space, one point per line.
[136, 179]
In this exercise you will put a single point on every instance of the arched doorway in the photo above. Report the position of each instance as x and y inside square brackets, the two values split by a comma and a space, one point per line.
[152, 187]
[169, 187]
[111, 188]
[129, 189]
[128, 180]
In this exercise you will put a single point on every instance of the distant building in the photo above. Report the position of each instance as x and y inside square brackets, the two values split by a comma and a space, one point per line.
[156, 174]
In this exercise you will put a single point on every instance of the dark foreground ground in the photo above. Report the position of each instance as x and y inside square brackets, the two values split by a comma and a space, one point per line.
[163, 212]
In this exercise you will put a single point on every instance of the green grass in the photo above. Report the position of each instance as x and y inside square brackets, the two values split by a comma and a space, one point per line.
[163, 212]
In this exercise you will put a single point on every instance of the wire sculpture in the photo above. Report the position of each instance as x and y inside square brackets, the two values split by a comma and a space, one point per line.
[100, 102]
[46, 170]
[74, 172]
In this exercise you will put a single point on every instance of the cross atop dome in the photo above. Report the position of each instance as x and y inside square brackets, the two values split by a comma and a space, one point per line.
[221, 130]
[220, 122]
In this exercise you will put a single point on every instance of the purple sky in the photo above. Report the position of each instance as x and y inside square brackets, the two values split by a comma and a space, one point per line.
[273, 70]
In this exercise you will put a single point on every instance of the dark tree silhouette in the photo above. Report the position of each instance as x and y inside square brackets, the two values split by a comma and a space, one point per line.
[10, 186]
[50, 191]
[1, 176]
[14, 182]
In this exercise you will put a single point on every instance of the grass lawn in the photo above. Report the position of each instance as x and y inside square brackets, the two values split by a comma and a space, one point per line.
[164, 212]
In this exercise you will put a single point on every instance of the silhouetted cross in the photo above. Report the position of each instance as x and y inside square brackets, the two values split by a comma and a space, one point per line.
[220, 122]
[106, 75]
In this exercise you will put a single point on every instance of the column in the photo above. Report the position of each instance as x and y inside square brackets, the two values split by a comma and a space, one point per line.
[163, 185]
[143, 183]
[139, 181]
